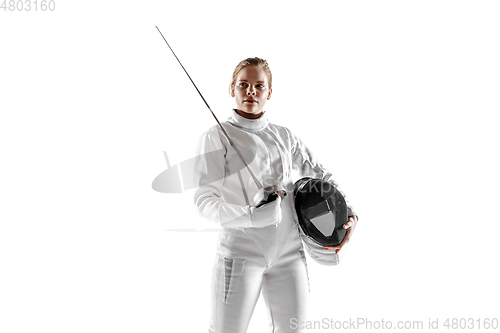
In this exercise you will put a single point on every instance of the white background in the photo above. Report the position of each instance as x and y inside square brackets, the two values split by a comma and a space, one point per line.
[398, 98]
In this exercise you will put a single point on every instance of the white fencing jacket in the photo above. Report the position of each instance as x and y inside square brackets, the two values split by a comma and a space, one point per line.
[226, 190]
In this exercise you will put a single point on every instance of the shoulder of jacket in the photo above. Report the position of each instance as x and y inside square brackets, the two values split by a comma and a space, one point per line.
[280, 128]
[215, 133]
[286, 131]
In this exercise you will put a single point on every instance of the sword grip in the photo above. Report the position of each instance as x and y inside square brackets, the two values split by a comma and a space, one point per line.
[271, 197]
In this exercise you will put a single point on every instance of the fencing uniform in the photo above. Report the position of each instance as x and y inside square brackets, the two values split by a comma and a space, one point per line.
[250, 260]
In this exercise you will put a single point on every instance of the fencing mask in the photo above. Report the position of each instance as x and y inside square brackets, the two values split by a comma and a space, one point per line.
[321, 211]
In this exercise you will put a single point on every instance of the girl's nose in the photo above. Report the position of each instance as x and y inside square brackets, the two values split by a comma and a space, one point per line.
[250, 92]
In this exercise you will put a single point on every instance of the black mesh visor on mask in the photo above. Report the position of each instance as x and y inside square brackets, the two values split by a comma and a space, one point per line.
[321, 209]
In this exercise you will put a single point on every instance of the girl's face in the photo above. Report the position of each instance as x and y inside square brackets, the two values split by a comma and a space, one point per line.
[251, 91]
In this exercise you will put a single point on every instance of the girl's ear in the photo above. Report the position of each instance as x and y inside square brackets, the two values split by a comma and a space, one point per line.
[232, 90]
[269, 95]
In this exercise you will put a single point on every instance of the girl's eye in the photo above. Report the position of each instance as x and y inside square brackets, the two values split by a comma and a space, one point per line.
[260, 85]
[242, 84]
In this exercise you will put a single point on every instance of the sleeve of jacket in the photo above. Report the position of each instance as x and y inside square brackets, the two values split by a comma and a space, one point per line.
[209, 176]
[305, 164]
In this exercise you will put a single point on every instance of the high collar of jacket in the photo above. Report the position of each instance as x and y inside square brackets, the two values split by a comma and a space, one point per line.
[252, 124]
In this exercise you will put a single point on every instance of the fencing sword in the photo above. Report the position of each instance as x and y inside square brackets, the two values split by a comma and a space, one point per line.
[264, 194]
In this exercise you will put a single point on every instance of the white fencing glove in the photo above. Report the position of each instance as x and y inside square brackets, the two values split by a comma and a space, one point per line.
[267, 214]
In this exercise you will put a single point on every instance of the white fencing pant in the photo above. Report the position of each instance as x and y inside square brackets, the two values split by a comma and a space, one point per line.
[239, 277]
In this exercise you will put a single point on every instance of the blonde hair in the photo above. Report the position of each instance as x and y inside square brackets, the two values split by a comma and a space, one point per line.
[257, 62]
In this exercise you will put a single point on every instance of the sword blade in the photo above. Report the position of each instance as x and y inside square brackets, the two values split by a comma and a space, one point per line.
[259, 185]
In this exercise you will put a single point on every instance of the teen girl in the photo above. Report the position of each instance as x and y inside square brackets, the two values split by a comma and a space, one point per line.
[259, 249]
